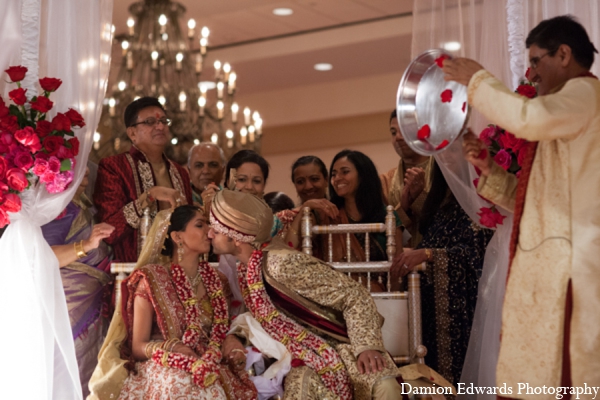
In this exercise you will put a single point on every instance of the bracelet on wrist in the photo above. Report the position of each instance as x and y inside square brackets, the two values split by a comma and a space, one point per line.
[79, 249]
[149, 197]
[428, 254]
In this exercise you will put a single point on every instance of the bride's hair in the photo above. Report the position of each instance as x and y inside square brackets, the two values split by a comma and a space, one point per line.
[180, 217]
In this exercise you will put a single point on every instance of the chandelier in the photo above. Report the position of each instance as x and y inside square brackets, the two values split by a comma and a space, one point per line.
[159, 61]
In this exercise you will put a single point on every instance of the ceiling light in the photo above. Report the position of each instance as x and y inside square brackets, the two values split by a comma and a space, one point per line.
[283, 12]
[452, 46]
[323, 67]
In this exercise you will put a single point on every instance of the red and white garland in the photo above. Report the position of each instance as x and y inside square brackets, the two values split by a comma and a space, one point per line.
[204, 370]
[304, 345]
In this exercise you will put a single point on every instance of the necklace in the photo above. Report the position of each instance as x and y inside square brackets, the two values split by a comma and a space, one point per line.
[204, 370]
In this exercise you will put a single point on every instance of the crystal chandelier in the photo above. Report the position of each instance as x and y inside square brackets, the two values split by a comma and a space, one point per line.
[158, 60]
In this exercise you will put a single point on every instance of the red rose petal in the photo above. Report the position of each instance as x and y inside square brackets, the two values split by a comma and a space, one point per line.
[424, 132]
[446, 96]
[464, 106]
[483, 154]
[442, 145]
[440, 60]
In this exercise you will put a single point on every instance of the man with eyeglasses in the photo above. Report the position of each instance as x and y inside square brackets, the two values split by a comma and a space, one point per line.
[550, 319]
[130, 182]
[206, 163]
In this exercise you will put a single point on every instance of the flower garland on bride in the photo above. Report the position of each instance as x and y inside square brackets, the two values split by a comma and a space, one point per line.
[305, 347]
[507, 152]
[32, 148]
[204, 370]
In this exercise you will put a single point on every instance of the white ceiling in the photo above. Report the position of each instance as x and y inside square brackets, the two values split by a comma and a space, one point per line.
[362, 39]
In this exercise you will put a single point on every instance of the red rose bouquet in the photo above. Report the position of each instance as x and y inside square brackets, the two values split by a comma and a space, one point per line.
[33, 149]
[507, 152]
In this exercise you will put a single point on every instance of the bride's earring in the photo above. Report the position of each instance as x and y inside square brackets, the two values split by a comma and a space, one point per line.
[180, 252]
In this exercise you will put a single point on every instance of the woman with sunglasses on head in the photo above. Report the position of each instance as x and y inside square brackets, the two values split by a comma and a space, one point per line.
[172, 338]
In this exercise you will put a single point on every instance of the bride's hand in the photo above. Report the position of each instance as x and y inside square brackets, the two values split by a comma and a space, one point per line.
[183, 349]
[234, 352]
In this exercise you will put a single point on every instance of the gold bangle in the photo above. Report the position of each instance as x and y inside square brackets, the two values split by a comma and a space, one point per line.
[79, 249]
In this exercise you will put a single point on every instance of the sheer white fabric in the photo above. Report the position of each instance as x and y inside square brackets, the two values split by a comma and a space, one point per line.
[69, 40]
[492, 32]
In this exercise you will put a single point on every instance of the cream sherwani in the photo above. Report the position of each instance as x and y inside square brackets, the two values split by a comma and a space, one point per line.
[559, 231]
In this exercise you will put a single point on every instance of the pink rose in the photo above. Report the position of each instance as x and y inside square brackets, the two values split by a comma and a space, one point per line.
[40, 166]
[47, 177]
[54, 165]
[64, 152]
[487, 135]
[23, 160]
[4, 220]
[60, 183]
[12, 203]
[503, 159]
[490, 217]
[28, 137]
[16, 179]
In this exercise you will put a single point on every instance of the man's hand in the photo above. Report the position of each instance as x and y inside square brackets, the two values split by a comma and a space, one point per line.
[476, 152]
[414, 182]
[460, 70]
[172, 196]
[234, 352]
[370, 361]
[209, 193]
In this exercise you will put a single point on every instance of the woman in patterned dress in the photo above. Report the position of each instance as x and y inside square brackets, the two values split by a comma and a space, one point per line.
[175, 319]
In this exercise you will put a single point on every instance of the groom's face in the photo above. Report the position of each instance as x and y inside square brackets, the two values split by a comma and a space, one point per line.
[221, 244]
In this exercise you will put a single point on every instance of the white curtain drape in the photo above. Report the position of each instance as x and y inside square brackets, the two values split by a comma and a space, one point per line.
[493, 32]
[69, 40]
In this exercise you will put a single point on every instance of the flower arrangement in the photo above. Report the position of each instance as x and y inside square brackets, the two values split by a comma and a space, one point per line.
[507, 151]
[33, 149]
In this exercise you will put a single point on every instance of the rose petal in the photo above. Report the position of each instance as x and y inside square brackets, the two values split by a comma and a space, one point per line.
[440, 60]
[446, 96]
[424, 132]
[442, 145]
[464, 106]
[483, 154]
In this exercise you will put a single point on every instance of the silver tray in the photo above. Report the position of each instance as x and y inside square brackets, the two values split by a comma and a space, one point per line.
[419, 103]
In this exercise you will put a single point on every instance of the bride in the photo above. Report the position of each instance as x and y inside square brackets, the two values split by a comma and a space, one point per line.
[168, 339]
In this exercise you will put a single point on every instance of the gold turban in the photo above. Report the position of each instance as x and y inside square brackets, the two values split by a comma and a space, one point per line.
[241, 216]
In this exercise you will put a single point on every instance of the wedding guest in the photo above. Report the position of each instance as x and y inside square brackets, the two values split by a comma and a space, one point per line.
[84, 261]
[279, 201]
[453, 246]
[206, 163]
[550, 326]
[406, 186]
[143, 177]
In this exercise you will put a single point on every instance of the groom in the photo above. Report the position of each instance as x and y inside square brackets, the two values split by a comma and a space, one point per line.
[327, 321]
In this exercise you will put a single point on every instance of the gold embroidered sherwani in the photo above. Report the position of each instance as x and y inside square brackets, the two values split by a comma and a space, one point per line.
[559, 231]
[393, 183]
[333, 295]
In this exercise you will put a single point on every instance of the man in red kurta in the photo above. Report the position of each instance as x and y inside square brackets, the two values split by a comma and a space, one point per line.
[129, 182]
